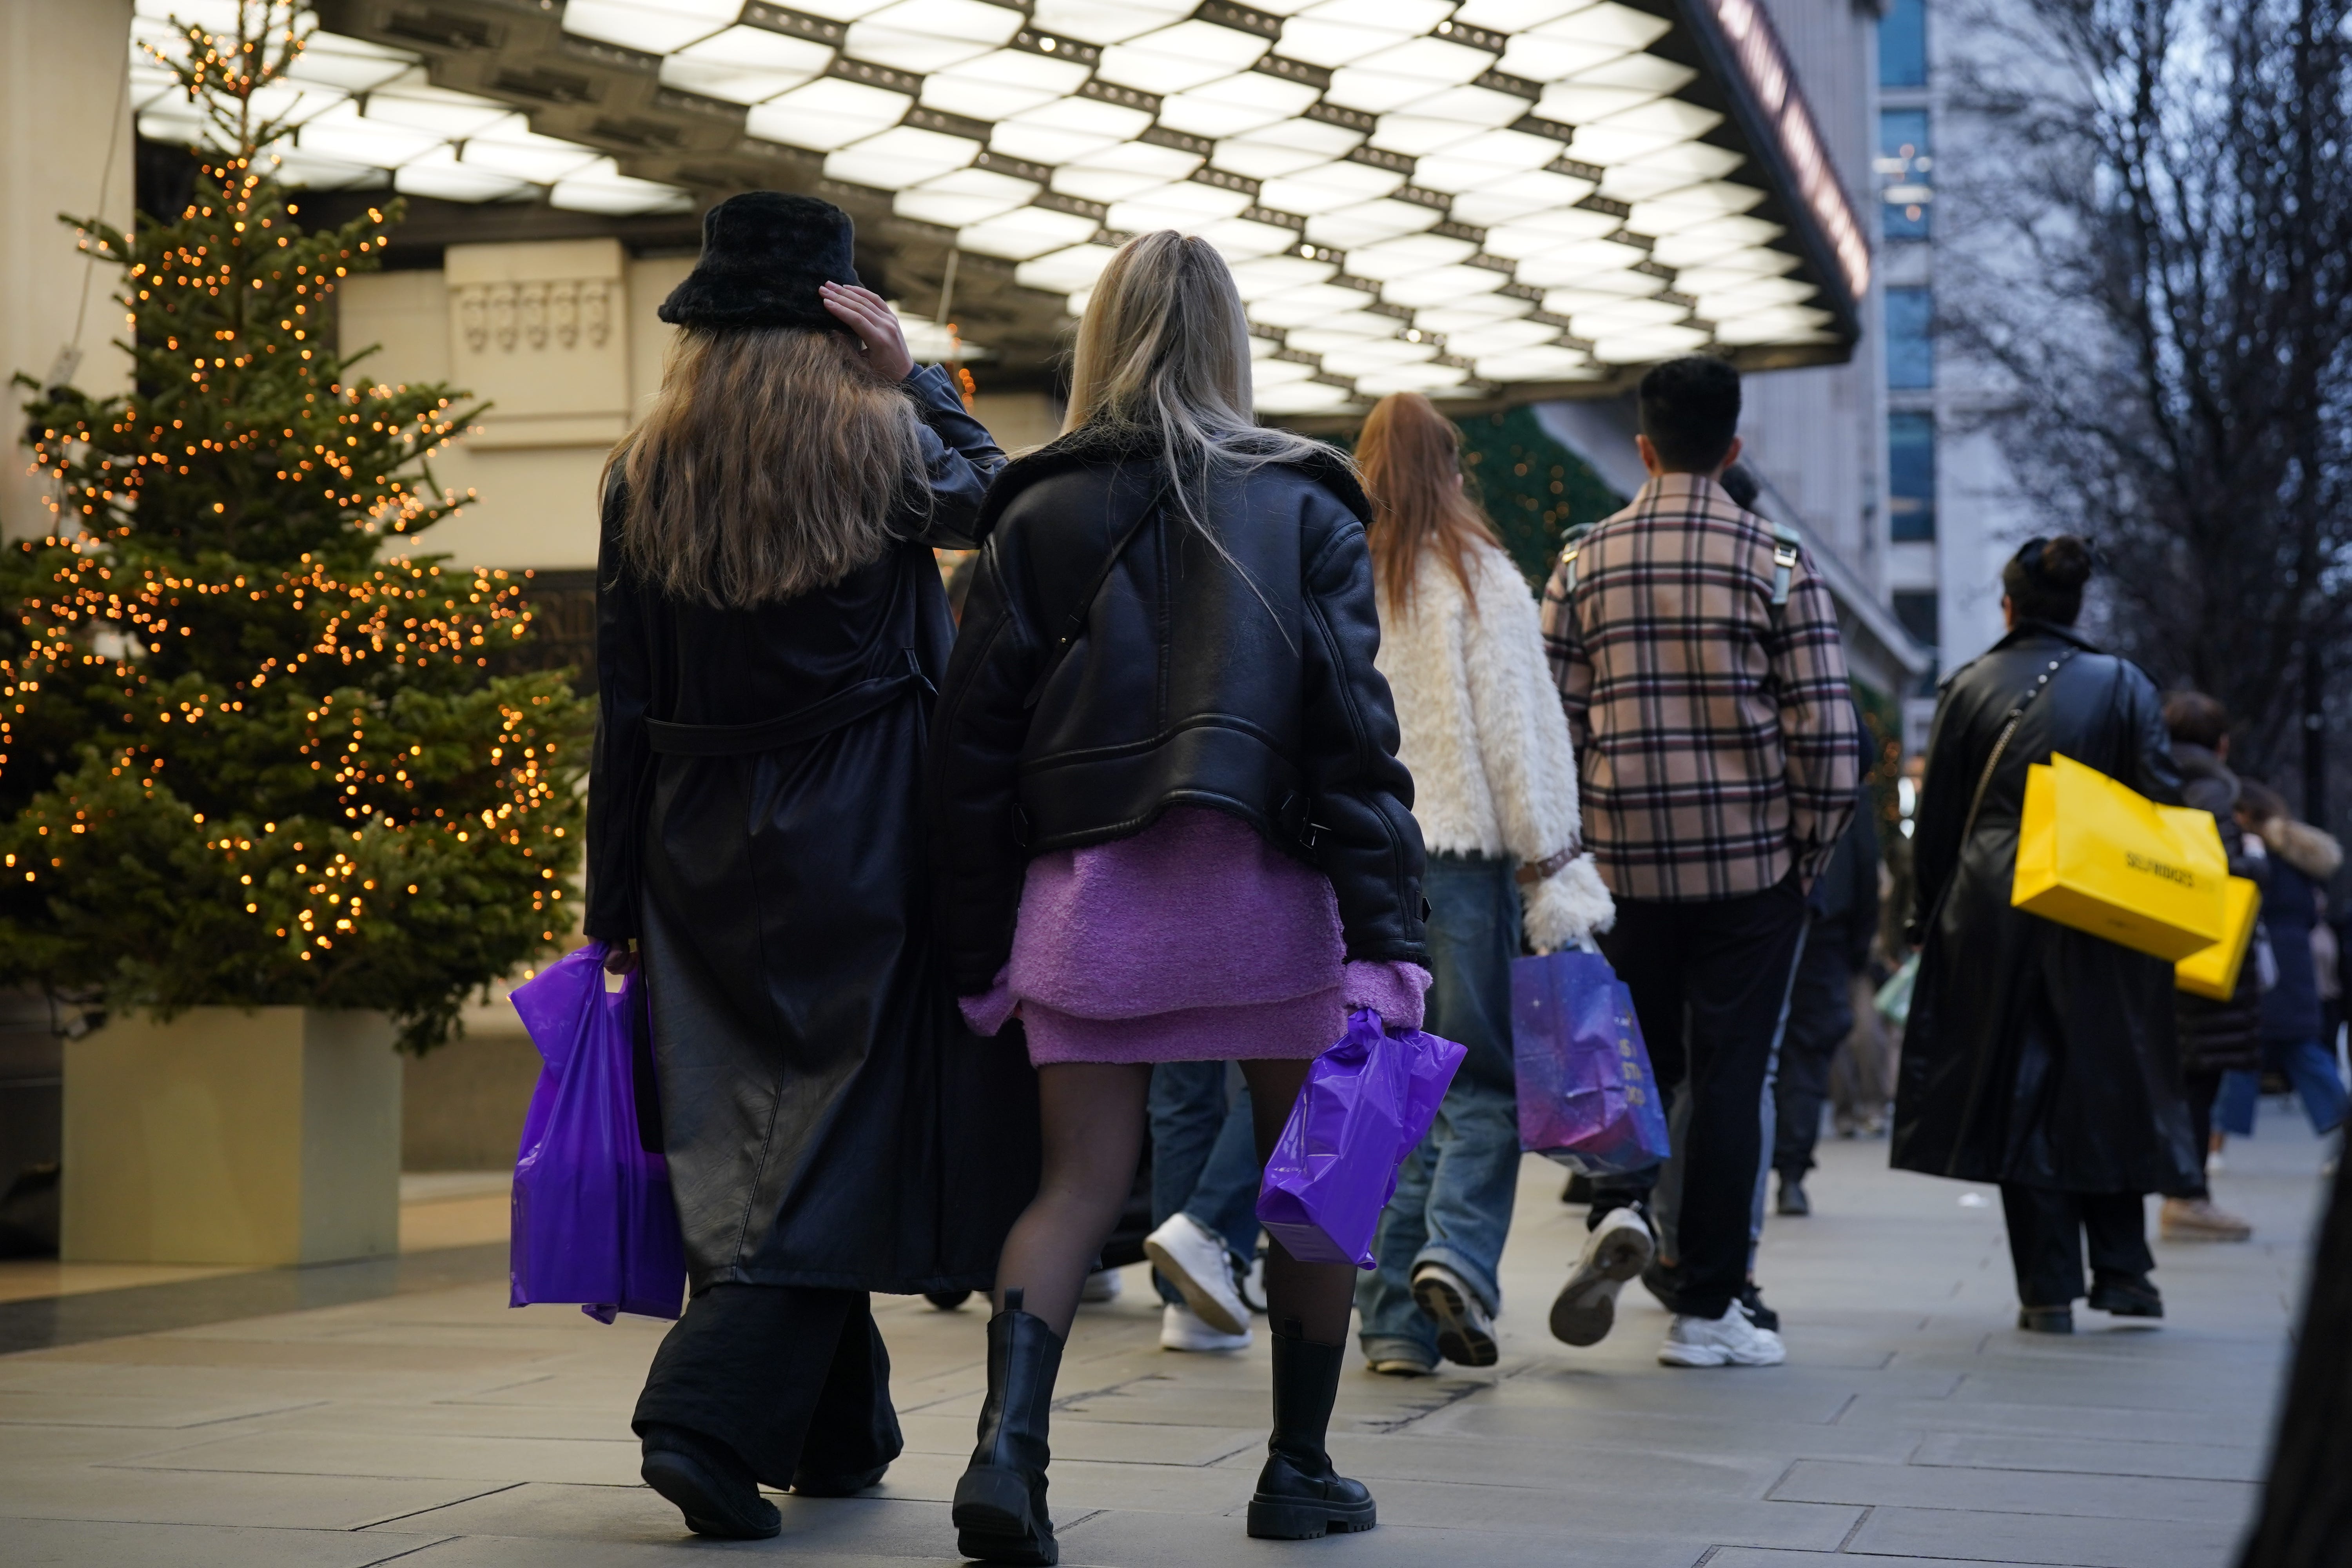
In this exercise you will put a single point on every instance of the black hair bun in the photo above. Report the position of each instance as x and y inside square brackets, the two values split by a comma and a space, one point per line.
[2065, 563]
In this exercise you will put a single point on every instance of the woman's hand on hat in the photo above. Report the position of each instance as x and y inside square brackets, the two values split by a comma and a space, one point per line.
[868, 315]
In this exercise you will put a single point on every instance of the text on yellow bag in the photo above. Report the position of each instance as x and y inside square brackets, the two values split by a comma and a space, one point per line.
[2096, 855]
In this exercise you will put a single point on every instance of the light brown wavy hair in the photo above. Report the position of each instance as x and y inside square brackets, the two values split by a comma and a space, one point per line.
[771, 464]
[1164, 358]
[1411, 457]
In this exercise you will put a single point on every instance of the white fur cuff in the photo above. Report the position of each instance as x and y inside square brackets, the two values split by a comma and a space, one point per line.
[1568, 906]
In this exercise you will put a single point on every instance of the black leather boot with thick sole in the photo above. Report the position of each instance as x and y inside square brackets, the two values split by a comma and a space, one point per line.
[708, 1483]
[1299, 1495]
[1000, 1504]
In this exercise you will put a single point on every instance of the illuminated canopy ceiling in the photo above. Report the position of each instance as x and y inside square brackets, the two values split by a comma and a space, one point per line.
[1494, 199]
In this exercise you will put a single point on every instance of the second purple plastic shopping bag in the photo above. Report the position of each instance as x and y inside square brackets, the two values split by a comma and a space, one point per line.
[1367, 1102]
[594, 1220]
[1587, 1096]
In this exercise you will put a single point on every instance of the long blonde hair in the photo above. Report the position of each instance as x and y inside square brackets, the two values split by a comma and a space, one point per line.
[1410, 456]
[770, 465]
[1163, 358]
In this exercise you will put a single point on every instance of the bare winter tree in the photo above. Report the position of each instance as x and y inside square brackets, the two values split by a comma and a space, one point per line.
[2151, 268]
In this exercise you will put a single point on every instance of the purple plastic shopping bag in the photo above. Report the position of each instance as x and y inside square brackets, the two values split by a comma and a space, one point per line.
[1366, 1104]
[1587, 1096]
[593, 1221]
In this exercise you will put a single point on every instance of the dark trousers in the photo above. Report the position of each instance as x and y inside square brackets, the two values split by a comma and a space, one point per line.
[794, 1379]
[1820, 1016]
[2200, 1090]
[1708, 979]
[2046, 1233]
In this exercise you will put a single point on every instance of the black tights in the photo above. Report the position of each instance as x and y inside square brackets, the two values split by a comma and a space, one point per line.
[1093, 1116]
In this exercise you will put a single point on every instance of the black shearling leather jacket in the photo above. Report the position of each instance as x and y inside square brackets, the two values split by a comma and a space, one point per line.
[1181, 683]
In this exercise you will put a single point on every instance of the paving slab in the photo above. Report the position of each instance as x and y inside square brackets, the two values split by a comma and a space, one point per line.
[2065, 1540]
[2015, 1491]
[412, 1416]
[76, 1543]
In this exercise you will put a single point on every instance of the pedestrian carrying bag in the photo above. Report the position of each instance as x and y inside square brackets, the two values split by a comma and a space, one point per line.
[1366, 1105]
[2096, 855]
[594, 1220]
[1893, 1000]
[2214, 971]
[1588, 1098]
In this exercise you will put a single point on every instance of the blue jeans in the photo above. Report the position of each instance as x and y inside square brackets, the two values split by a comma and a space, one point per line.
[1203, 1158]
[2309, 1065]
[1453, 1196]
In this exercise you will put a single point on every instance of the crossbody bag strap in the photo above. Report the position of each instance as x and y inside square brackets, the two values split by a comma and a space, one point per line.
[1076, 621]
[1984, 779]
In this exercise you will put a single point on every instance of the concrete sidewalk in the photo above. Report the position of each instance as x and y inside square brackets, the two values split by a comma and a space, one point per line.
[1913, 1425]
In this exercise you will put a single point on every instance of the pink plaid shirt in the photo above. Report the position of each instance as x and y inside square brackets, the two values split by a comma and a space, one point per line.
[1717, 751]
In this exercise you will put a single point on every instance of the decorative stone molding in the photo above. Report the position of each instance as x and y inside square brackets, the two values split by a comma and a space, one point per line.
[566, 312]
[534, 328]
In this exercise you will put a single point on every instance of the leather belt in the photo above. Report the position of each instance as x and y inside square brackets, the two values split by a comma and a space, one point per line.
[843, 708]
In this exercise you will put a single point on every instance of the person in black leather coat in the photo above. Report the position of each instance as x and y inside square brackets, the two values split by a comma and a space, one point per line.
[770, 625]
[2036, 1056]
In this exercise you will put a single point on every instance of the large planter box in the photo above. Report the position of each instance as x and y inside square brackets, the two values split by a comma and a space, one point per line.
[268, 1138]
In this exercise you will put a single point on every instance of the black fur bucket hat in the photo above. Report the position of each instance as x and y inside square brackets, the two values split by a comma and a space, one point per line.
[764, 256]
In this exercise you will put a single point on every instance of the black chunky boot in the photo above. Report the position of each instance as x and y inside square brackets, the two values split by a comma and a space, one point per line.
[1000, 1504]
[1299, 1495]
[708, 1483]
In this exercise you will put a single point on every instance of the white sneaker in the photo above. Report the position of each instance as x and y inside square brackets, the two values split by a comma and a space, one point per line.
[1732, 1340]
[1102, 1285]
[1195, 1261]
[1619, 1248]
[1180, 1331]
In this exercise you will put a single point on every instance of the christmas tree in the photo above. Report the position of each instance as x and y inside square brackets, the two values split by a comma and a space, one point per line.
[250, 754]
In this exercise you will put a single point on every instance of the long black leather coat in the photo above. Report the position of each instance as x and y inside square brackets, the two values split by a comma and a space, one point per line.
[1184, 681]
[2035, 1054]
[828, 1120]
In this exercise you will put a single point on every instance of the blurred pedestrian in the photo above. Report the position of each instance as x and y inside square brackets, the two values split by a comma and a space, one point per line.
[2217, 1036]
[2296, 1041]
[1842, 910]
[770, 621]
[1495, 793]
[1173, 828]
[1697, 655]
[2036, 1056]
[1204, 1179]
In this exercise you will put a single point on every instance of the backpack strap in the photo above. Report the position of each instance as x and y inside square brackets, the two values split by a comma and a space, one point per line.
[1568, 551]
[1788, 548]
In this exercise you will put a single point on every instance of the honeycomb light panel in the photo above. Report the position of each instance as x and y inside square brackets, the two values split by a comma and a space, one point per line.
[1420, 195]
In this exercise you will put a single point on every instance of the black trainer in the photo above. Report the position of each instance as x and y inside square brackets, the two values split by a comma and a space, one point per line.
[1792, 1199]
[709, 1484]
[817, 1483]
[1000, 1503]
[2046, 1319]
[1299, 1495]
[2125, 1295]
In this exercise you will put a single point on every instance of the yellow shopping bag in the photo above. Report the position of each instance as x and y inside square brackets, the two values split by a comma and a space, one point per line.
[2214, 972]
[2096, 855]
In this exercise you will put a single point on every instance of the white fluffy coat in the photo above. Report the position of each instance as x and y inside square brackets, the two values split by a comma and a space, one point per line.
[1486, 740]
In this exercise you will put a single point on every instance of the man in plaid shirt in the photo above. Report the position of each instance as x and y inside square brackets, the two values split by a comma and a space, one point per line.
[1698, 655]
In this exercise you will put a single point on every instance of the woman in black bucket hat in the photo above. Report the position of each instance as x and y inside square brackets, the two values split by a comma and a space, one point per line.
[770, 629]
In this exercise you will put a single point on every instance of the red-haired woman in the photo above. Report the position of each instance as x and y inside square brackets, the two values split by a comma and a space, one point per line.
[1494, 791]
